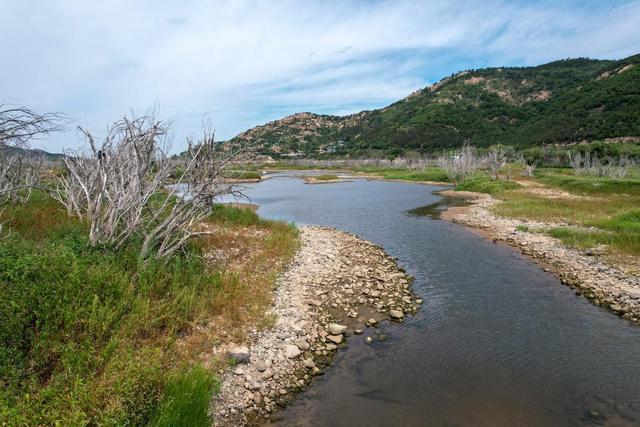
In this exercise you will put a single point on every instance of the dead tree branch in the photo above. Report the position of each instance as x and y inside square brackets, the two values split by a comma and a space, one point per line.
[118, 186]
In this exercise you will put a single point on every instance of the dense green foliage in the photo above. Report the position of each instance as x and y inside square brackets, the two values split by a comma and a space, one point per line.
[75, 323]
[561, 102]
[186, 400]
[87, 334]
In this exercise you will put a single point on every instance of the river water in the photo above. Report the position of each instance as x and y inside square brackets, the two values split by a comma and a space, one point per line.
[498, 341]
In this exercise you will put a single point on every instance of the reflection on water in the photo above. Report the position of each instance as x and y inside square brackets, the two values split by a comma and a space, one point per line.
[499, 342]
[435, 210]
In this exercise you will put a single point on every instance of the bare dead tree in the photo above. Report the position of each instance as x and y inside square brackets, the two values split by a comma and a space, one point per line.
[119, 186]
[19, 174]
[191, 200]
[18, 125]
[462, 164]
[19, 169]
[495, 161]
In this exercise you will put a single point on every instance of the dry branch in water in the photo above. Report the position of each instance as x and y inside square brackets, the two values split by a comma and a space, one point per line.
[119, 186]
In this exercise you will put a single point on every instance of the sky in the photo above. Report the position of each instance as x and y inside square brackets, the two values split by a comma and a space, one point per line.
[243, 63]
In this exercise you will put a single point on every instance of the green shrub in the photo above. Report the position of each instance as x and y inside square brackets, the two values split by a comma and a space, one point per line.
[186, 400]
[484, 184]
[226, 214]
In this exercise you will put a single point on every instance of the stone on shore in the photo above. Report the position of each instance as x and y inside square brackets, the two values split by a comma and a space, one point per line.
[336, 339]
[261, 365]
[396, 314]
[334, 280]
[336, 329]
[291, 351]
[239, 353]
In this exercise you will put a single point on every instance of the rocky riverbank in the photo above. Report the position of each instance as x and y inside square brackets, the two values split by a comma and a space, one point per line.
[337, 289]
[586, 271]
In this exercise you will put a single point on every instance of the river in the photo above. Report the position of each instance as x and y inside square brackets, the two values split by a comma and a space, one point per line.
[498, 342]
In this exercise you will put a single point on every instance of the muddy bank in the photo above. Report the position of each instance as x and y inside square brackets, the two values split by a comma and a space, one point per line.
[337, 289]
[313, 180]
[586, 271]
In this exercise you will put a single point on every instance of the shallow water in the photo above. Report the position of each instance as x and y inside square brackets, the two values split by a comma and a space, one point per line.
[499, 342]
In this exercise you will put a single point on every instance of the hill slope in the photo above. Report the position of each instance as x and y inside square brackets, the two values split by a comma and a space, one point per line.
[560, 102]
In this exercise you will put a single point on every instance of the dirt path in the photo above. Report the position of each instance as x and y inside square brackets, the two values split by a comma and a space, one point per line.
[585, 271]
[337, 288]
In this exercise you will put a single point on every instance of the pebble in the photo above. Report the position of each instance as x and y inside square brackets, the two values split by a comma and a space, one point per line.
[239, 353]
[336, 329]
[396, 314]
[268, 373]
[291, 351]
[302, 344]
[284, 359]
[261, 365]
[336, 339]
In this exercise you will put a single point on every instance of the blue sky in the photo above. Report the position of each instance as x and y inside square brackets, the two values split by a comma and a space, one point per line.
[243, 63]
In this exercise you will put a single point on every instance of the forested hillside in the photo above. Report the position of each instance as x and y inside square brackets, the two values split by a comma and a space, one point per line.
[560, 102]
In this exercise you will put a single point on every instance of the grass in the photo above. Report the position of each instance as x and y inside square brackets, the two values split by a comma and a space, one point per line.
[590, 184]
[91, 336]
[326, 177]
[602, 211]
[226, 215]
[484, 184]
[186, 400]
[581, 238]
[245, 174]
[428, 174]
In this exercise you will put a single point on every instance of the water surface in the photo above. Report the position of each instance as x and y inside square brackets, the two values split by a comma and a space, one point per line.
[499, 342]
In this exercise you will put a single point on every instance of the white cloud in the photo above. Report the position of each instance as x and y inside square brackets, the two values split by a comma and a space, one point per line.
[246, 62]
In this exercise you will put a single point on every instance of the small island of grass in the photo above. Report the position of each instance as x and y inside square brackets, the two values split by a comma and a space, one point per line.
[322, 179]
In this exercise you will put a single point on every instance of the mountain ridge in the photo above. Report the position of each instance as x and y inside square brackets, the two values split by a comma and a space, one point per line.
[560, 102]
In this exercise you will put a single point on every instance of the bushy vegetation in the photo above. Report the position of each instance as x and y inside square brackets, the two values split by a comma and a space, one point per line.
[89, 335]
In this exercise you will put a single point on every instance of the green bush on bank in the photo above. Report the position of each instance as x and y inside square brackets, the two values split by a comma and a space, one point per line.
[71, 312]
[87, 334]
